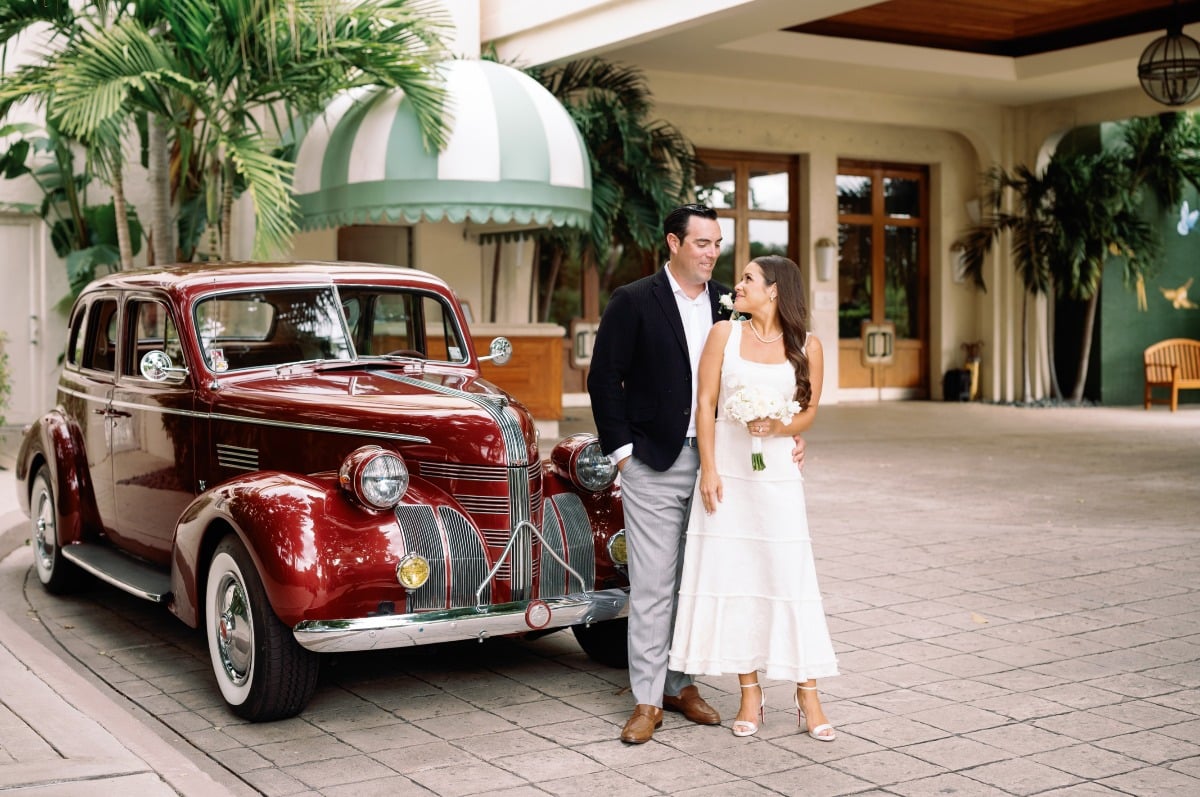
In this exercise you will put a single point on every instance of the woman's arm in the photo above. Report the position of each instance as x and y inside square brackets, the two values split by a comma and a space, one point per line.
[708, 388]
[803, 421]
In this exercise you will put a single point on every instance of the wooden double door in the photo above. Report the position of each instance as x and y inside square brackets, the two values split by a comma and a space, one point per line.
[883, 274]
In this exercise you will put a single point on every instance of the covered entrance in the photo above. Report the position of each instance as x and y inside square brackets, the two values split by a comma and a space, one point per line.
[883, 276]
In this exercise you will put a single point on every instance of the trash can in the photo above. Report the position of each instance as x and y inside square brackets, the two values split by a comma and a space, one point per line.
[956, 385]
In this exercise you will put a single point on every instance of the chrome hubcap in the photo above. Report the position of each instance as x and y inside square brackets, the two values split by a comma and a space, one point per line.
[44, 535]
[235, 630]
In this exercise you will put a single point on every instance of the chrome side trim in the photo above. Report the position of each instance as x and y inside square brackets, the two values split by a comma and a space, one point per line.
[237, 457]
[220, 416]
[407, 630]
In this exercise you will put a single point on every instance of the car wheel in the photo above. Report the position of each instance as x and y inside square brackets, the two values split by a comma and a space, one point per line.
[605, 642]
[56, 574]
[262, 671]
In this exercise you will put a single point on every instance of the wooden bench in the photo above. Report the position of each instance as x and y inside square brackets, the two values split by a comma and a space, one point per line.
[1173, 364]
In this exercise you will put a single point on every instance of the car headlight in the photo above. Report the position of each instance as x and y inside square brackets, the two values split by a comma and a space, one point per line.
[376, 477]
[580, 459]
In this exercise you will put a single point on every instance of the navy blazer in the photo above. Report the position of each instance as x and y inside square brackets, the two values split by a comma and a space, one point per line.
[640, 381]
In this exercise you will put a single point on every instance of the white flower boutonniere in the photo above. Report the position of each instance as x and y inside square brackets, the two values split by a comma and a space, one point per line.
[726, 301]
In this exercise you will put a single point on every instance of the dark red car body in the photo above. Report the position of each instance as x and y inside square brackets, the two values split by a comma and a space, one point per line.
[144, 476]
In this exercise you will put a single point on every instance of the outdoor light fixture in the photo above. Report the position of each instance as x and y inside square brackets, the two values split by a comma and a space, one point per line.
[1169, 68]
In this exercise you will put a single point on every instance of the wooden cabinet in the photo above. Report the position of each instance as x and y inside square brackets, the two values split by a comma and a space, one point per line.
[534, 374]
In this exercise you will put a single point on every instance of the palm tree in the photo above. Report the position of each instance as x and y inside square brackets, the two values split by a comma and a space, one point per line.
[1096, 213]
[218, 77]
[1067, 222]
[641, 168]
[1030, 228]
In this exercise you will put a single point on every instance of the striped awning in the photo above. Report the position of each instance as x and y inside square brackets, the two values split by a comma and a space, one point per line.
[514, 156]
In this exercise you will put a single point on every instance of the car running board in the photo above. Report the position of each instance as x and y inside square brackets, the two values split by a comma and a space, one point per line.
[137, 578]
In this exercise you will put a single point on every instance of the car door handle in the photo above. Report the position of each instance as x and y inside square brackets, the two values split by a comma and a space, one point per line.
[108, 412]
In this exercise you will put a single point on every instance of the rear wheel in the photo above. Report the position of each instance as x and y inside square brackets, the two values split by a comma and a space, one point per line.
[262, 671]
[605, 642]
[56, 574]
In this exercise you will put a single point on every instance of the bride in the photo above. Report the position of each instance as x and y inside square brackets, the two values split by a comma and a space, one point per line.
[749, 599]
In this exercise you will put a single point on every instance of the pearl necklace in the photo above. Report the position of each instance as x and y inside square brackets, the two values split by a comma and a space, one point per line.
[761, 339]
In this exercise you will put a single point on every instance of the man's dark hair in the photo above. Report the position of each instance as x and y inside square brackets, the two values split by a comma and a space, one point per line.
[676, 222]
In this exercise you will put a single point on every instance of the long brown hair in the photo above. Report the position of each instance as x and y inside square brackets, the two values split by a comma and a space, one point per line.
[793, 316]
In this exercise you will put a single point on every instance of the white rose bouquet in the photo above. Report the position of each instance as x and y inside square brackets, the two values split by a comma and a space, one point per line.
[749, 402]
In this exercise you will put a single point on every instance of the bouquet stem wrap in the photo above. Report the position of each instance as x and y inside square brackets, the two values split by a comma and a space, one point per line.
[756, 457]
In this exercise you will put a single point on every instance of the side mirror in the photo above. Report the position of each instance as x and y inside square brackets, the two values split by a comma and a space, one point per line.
[157, 367]
[500, 352]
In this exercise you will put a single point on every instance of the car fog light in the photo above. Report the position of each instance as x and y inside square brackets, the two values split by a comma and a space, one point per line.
[616, 549]
[413, 571]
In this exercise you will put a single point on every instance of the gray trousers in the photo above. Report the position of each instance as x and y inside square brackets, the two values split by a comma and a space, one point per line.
[656, 513]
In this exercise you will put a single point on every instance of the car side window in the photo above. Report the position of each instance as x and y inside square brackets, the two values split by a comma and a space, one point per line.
[100, 343]
[75, 341]
[151, 328]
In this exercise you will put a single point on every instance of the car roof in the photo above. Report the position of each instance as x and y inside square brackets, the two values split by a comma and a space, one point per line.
[189, 279]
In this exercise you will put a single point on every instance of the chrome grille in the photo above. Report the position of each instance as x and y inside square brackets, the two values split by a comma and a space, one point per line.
[421, 536]
[469, 563]
[237, 457]
[566, 522]
[451, 470]
[470, 560]
[516, 497]
[487, 504]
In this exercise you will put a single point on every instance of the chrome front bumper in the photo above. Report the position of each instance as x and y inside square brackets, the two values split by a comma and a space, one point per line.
[427, 628]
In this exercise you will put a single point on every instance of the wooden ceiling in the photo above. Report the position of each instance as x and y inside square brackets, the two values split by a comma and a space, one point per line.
[1004, 27]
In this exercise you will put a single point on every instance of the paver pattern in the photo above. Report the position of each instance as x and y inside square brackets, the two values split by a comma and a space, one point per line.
[1012, 592]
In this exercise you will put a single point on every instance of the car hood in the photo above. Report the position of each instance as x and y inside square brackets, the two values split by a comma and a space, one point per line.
[449, 409]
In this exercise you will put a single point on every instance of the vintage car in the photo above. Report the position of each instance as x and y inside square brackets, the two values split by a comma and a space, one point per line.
[302, 459]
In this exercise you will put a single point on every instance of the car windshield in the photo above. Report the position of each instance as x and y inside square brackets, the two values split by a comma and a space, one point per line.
[408, 323]
[258, 328]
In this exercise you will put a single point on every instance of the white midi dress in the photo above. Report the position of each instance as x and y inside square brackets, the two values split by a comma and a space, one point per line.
[748, 597]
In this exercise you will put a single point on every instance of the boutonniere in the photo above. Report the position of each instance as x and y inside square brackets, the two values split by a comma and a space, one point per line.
[726, 302]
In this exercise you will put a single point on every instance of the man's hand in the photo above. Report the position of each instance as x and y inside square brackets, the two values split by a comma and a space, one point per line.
[798, 452]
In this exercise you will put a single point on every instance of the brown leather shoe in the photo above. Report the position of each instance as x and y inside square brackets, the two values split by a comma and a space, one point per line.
[691, 705]
[641, 725]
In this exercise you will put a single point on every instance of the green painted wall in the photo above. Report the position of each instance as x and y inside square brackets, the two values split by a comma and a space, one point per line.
[1123, 331]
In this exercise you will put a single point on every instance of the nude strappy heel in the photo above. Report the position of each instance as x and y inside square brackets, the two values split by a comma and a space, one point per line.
[746, 727]
[823, 732]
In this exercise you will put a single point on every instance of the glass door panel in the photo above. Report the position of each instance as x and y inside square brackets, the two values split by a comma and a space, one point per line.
[716, 186]
[768, 238]
[902, 197]
[726, 267]
[854, 279]
[902, 273]
[854, 195]
[769, 190]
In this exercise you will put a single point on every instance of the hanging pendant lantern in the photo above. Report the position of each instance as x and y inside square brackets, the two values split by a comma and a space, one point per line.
[1169, 68]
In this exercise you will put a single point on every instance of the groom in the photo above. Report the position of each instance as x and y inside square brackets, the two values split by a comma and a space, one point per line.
[643, 391]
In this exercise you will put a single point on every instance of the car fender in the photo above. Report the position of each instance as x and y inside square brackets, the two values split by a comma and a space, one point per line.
[55, 439]
[308, 539]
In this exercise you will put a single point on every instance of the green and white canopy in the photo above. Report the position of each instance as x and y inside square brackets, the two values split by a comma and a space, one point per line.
[514, 156]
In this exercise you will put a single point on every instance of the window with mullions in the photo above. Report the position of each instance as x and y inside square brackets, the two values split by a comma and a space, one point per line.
[755, 196]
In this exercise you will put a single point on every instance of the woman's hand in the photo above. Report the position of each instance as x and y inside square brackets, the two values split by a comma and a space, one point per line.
[762, 427]
[711, 490]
